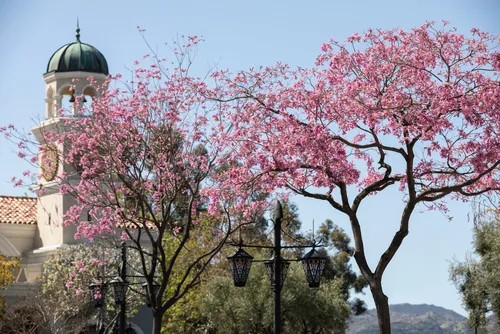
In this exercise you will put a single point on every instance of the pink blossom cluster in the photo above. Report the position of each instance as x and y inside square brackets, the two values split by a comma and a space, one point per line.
[418, 108]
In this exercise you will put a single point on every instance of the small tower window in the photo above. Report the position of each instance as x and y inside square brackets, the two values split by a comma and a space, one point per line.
[68, 97]
[89, 94]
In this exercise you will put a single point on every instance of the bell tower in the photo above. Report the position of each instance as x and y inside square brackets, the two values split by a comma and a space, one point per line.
[67, 75]
[66, 78]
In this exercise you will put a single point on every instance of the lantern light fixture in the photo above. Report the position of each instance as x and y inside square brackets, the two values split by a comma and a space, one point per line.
[120, 287]
[240, 264]
[284, 264]
[314, 264]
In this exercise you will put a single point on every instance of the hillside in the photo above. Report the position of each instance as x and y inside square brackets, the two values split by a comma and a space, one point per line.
[416, 319]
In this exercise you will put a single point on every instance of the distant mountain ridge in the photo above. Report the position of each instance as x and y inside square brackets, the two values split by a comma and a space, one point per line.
[416, 319]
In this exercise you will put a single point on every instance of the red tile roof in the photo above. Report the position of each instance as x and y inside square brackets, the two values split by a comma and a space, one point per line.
[18, 210]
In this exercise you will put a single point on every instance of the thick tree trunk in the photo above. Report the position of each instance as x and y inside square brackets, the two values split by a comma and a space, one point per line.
[374, 278]
[156, 323]
[382, 305]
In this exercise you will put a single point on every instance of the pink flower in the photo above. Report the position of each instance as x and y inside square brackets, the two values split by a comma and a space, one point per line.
[80, 266]
[176, 230]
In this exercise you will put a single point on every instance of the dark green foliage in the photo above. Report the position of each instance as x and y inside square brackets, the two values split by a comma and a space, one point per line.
[477, 278]
[222, 308]
[249, 310]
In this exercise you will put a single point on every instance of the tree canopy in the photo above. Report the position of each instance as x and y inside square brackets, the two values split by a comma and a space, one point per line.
[416, 110]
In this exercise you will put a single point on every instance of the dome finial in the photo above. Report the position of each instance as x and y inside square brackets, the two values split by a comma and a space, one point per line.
[77, 30]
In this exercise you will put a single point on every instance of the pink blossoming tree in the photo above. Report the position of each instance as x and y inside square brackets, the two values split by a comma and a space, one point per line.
[141, 162]
[418, 110]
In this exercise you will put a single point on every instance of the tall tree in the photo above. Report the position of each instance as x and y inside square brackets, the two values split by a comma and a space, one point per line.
[476, 278]
[469, 281]
[416, 110]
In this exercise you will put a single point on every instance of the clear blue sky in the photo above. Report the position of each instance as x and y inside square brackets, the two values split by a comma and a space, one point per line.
[241, 34]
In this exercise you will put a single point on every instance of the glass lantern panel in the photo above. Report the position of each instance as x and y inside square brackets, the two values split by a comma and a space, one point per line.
[240, 268]
[120, 290]
[313, 268]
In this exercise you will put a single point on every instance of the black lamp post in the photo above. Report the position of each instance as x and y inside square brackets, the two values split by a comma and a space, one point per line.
[277, 267]
[119, 285]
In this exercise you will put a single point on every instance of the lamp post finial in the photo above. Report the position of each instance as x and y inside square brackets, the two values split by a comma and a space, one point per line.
[278, 211]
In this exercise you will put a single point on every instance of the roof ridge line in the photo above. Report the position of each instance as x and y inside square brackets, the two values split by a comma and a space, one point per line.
[13, 196]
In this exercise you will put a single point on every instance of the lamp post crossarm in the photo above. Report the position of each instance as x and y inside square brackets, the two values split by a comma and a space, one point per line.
[108, 278]
[135, 283]
[273, 247]
[286, 260]
[138, 276]
[301, 246]
[238, 244]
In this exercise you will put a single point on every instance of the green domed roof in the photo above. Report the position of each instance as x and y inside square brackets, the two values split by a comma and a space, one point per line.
[78, 56]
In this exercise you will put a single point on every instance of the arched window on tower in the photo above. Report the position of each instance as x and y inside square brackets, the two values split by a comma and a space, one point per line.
[89, 94]
[67, 98]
